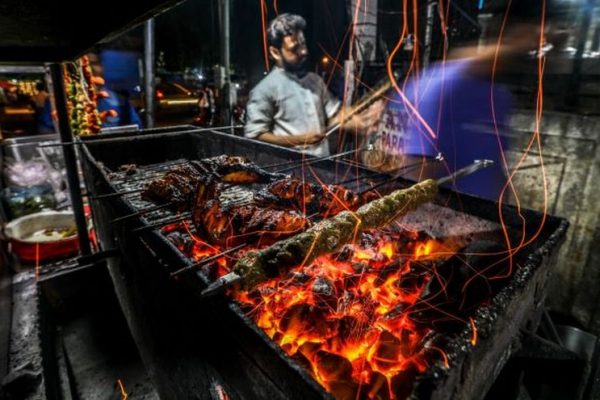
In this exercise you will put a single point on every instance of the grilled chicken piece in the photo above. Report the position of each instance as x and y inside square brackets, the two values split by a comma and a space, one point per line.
[247, 223]
[235, 169]
[312, 198]
[176, 186]
[179, 185]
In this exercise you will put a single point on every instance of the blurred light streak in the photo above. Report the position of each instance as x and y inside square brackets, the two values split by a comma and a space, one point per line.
[263, 18]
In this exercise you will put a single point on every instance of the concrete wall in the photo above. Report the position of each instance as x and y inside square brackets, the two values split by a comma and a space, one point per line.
[572, 159]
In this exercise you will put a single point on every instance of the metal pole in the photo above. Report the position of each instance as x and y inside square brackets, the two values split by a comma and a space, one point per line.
[571, 99]
[224, 11]
[429, 33]
[64, 130]
[149, 81]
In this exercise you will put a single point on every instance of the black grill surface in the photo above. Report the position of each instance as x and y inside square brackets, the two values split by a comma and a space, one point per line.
[192, 346]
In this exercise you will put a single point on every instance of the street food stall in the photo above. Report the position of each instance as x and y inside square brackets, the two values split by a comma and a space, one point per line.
[247, 270]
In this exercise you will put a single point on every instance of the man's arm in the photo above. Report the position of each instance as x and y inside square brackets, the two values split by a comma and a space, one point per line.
[362, 121]
[260, 112]
[291, 141]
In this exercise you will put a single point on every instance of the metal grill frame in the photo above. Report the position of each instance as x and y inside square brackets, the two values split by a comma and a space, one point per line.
[517, 306]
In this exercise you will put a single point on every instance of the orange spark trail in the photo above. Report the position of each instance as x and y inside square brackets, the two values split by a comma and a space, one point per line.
[444, 29]
[444, 356]
[347, 73]
[474, 330]
[276, 7]
[390, 71]
[263, 18]
[536, 138]
[502, 155]
[124, 395]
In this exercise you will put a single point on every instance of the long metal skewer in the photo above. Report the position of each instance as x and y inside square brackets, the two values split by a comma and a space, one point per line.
[160, 224]
[207, 260]
[404, 170]
[232, 278]
[116, 194]
[142, 212]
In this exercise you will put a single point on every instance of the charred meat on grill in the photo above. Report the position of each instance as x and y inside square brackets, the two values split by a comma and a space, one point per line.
[235, 169]
[247, 223]
[176, 186]
[331, 234]
[179, 185]
[311, 198]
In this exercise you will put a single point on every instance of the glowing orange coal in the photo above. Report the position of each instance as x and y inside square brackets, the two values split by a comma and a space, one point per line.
[345, 317]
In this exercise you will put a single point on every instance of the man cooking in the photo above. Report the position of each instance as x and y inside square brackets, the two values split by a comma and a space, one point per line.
[292, 107]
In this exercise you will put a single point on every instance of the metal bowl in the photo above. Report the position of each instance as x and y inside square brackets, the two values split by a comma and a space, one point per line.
[39, 248]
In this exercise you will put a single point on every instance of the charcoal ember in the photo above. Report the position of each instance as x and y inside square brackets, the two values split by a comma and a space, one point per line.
[325, 293]
[422, 267]
[384, 273]
[301, 359]
[368, 240]
[399, 386]
[297, 278]
[188, 246]
[178, 239]
[359, 267]
[346, 301]
[344, 390]
[352, 281]
[377, 388]
[323, 287]
[255, 295]
[264, 291]
[348, 328]
[302, 318]
[402, 383]
[461, 285]
[411, 282]
[333, 367]
[388, 350]
[309, 349]
[345, 254]
[397, 311]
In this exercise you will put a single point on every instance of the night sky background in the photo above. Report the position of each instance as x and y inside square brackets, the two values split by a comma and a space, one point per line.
[189, 33]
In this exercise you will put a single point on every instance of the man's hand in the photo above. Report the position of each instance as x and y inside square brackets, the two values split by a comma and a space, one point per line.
[371, 116]
[306, 139]
[303, 141]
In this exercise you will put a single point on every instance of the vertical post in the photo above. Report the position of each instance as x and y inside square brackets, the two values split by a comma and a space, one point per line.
[429, 33]
[149, 81]
[571, 98]
[364, 29]
[364, 26]
[224, 13]
[64, 130]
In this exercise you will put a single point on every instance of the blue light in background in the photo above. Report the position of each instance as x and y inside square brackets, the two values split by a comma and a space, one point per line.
[480, 6]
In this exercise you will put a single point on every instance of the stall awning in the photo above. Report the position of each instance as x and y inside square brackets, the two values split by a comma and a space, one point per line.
[35, 31]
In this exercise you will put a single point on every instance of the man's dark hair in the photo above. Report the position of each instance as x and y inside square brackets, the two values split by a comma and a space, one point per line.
[284, 25]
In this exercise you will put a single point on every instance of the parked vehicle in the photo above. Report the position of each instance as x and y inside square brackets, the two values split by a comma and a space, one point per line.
[176, 98]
